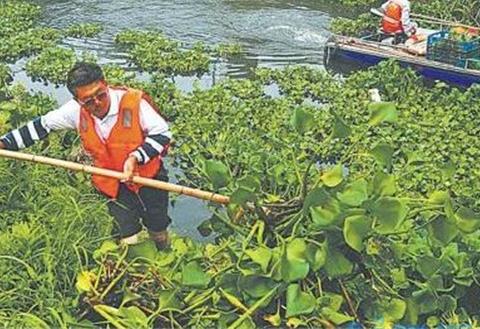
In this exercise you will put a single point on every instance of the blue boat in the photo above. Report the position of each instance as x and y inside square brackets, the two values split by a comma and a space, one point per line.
[367, 52]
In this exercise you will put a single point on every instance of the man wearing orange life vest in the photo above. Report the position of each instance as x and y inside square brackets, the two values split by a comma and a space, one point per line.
[120, 129]
[396, 19]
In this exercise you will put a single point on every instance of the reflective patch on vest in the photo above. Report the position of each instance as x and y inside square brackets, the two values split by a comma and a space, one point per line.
[83, 124]
[127, 118]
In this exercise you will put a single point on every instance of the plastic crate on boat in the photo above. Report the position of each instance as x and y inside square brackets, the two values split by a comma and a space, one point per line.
[441, 48]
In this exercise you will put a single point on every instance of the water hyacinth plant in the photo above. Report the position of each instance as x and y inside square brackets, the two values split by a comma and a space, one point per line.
[83, 30]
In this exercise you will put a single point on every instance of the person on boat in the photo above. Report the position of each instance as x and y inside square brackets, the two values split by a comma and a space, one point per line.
[121, 129]
[396, 20]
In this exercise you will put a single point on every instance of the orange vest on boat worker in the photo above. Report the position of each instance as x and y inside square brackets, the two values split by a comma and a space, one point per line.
[392, 19]
[125, 136]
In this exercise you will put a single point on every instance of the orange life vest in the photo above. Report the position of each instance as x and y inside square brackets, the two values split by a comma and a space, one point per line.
[392, 20]
[125, 137]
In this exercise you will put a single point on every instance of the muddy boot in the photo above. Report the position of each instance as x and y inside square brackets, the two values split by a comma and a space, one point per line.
[129, 241]
[161, 239]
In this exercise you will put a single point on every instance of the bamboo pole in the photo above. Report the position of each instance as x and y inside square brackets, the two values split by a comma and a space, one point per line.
[440, 21]
[196, 193]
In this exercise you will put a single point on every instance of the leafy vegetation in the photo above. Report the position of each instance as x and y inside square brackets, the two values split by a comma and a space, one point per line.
[343, 209]
[53, 64]
[83, 30]
[153, 52]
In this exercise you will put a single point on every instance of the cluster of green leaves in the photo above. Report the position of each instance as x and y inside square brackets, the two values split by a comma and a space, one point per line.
[20, 36]
[232, 284]
[384, 229]
[357, 3]
[228, 50]
[44, 227]
[83, 30]
[352, 27]
[27, 42]
[17, 16]
[53, 64]
[462, 11]
[153, 52]
[5, 77]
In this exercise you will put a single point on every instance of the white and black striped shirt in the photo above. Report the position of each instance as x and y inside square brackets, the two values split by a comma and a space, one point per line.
[68, 117]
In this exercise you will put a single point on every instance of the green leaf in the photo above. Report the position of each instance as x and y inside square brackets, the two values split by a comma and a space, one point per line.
[389, 213]
[355, 229]
[194, 276]
[294, 265]
[4, 117]
[447, 303]
[414, 158]
[241, 196]
[250, 183]
[302, 120]
[337, 264]
[129, 296]
[433, 322]
[333, 176]
[168, 300]
[399, 277]
[299, 302]
[468, 221]
[425, 301]
[384, 185]
[428, 266]
[331, 301]
[145, 249]
[316, 197]
[448, 169]
[411, 313]
[382, 112]
[106, 247]
[256, 286]
[383, 154]
[7, 107]
[134, 317]
[438, 197]
[274, 319]
[394, 309]
[261, 256]
[340, 129]
[296, 323]
[217, 172]
[327, 214]
[316, 256]
[442, 230]
[354, 194]
[85, 281]
[336, 317]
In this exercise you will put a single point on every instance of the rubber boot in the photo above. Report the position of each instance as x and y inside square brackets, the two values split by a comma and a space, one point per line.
[130, 240]
[161, 239]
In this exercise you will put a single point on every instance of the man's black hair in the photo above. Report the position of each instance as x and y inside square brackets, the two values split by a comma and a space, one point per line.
[82, 74]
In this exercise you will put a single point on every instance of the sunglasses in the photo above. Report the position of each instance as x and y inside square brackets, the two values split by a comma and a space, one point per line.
[91, 101]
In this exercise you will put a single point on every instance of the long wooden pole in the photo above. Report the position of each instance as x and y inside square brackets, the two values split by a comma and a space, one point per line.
[442, 21]
[196, 193]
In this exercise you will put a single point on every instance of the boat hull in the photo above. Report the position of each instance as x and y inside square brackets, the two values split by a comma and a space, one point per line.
[432, 71]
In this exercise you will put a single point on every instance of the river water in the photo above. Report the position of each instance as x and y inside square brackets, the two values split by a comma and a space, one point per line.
[273, 33]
